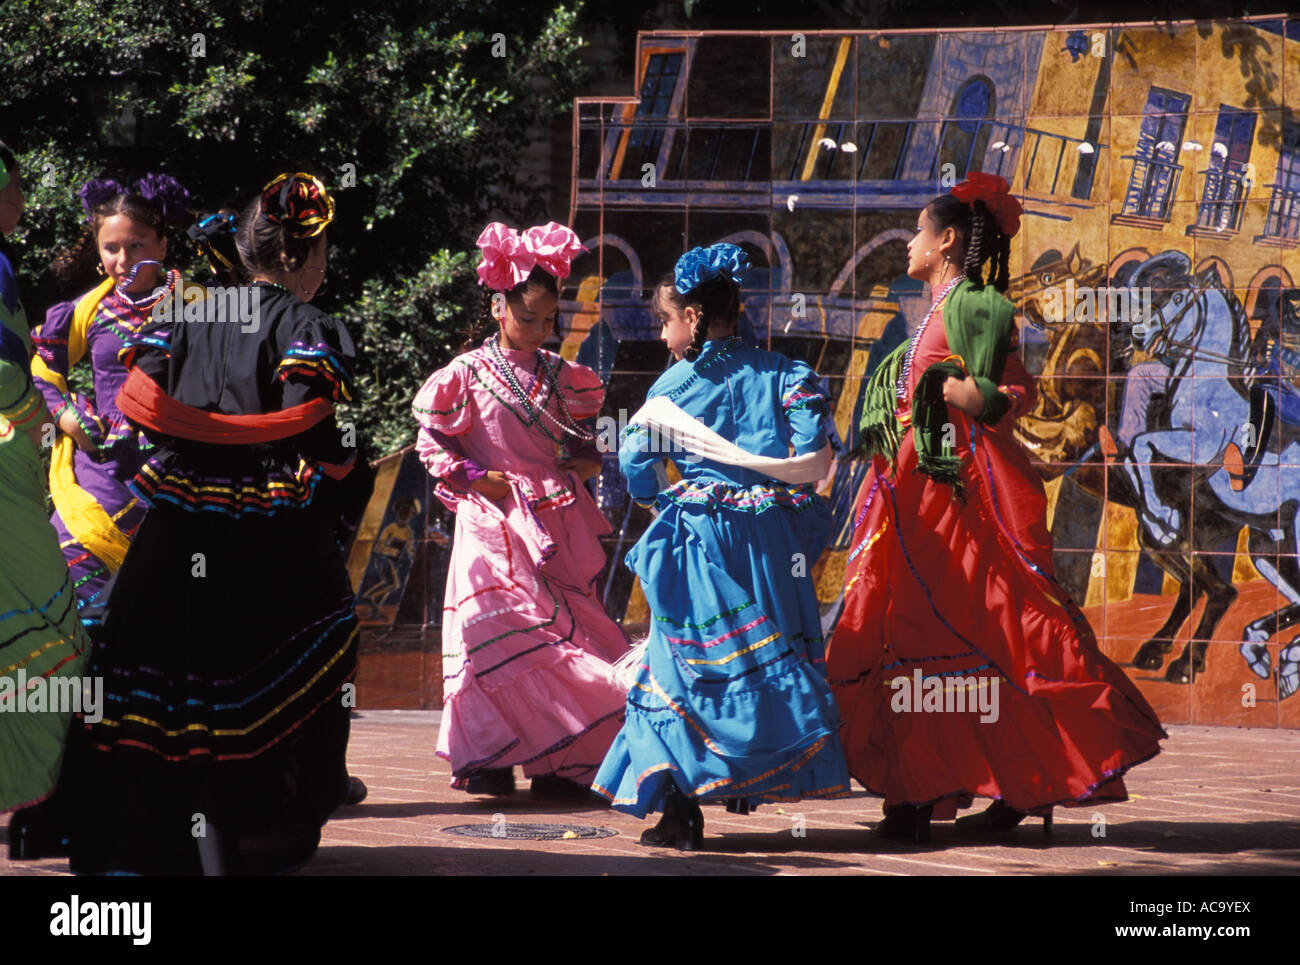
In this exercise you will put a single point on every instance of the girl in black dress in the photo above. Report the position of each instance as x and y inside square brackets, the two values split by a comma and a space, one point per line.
[229, 643]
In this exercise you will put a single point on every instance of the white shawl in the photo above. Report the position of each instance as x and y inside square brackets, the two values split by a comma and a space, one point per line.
[667, 422]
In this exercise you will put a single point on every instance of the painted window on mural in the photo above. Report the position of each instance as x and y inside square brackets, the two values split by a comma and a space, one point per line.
[1283, 220]
[1156, 170]
[1223, 195]
[826, 149]
[965, 140]
[641, 144]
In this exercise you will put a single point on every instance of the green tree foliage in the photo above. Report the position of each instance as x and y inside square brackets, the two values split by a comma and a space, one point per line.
[426, 105]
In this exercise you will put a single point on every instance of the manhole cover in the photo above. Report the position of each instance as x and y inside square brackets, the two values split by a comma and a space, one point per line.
[530, 832]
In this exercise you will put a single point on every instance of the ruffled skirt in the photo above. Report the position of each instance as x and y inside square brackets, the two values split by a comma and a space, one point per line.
[961, 666]
[43, 650]
[528, 650]
[730, 699]
[227, 653]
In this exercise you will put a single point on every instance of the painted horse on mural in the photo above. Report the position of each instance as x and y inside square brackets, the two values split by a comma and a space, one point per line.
[1067, 354]
[1185, 426]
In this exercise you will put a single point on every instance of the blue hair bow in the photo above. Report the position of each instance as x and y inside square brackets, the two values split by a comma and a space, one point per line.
[705, 264]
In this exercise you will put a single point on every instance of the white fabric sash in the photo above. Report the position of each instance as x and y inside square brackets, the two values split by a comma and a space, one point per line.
[672, 427]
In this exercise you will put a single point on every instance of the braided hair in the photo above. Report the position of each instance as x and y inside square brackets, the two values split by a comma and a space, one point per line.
[981, 236]
[485, 324]
[716, 300]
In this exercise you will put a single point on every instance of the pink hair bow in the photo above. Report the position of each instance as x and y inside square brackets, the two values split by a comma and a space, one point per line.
[509, 256]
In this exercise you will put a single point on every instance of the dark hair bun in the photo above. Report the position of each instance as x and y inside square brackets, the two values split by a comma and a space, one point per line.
[299, 204]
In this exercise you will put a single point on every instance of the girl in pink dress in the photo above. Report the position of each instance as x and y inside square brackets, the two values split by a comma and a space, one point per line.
[527, 646]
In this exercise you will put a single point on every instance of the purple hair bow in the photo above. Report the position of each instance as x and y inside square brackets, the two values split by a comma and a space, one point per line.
[162, 191]
[97, 192]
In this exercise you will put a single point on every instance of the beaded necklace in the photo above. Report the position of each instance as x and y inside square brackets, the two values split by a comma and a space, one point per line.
[566, 423]
[900, 387]
[148, 299]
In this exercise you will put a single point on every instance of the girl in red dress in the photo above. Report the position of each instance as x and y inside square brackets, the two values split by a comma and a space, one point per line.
[961, 667]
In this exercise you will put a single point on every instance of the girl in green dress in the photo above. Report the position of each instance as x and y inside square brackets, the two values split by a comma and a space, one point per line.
[43, 649]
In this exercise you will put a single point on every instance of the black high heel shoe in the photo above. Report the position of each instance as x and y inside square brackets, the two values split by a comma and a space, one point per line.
[906, 822]
[356, 792]
[497, 781]
[34, 834]
[999, 818]
[681, 827]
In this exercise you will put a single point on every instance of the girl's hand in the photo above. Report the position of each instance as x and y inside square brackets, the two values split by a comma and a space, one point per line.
[585, 468]
[964, 394]
[69, 425]
[494, 485]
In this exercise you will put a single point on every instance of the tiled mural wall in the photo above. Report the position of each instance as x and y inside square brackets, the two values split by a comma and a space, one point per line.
[1156, 276]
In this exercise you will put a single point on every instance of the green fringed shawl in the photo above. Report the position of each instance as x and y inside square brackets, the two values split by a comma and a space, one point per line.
[978, 327]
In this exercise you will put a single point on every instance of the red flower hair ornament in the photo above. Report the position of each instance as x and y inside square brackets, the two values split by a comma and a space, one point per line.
[509, 255]
[996, 195]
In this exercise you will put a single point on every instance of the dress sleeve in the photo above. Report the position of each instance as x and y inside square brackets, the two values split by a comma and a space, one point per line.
[581, 390]
[1018, 386]
[639, 462]
[805, 406]
[20, 401]
[317, 359]
[149, 349]
[640, 457]
[59, 346]
[442, 410]
[583, 394]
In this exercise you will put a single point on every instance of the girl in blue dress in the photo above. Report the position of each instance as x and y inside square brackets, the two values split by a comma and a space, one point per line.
[729, 699]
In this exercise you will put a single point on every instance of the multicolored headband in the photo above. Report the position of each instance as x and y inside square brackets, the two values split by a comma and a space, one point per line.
[162, 191]
[210, 234]
[996, 195]
[510, 256]
[705, 264]
[299, 204]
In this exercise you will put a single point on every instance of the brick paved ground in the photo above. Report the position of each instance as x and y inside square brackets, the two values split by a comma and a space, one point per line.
[1218, 801]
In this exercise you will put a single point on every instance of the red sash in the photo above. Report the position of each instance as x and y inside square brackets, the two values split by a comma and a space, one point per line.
[146, 403]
